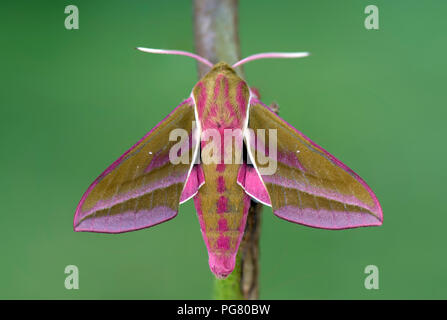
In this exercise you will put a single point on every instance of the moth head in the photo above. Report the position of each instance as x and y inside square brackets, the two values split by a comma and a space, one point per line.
[221, 68]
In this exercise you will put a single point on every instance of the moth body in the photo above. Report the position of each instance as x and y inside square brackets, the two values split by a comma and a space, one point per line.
[221, 100]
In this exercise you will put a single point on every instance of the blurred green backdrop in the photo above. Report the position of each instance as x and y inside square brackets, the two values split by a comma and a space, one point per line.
[73, 101]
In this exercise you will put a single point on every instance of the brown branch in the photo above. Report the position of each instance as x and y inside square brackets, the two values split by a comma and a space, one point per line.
[216, 31]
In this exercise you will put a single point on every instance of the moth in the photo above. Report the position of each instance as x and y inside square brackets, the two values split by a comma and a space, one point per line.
[232, 149]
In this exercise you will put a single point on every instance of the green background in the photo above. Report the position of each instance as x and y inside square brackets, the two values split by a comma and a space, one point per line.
[73, 101]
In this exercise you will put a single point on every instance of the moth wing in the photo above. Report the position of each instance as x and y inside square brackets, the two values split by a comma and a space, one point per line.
[142, 188]
[252, 184]
[195, 180]
[309, 186]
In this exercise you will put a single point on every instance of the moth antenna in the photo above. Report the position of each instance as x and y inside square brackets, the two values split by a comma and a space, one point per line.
[270, 55]
[179, 53]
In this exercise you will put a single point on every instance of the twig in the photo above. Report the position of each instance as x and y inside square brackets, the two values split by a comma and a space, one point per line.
[216, 31]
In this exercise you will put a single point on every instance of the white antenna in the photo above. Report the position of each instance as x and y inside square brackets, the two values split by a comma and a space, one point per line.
[258, 56]
[177, 52]
[270, 55]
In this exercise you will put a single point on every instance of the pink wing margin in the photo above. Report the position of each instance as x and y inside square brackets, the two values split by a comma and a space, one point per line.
[143, 215]
[312, 216]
